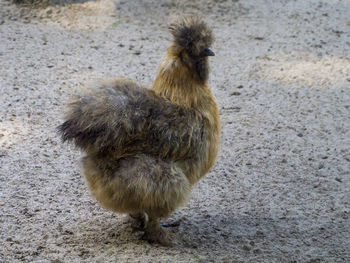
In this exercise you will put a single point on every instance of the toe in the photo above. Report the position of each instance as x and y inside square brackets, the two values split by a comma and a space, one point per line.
[162, 237]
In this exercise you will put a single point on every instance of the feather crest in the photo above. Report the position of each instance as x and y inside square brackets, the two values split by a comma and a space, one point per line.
[191, 33]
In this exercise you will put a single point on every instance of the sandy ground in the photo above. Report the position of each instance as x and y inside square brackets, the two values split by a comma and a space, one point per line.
[280, 191]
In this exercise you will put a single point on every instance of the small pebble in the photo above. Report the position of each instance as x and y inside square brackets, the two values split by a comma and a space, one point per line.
[338, 179]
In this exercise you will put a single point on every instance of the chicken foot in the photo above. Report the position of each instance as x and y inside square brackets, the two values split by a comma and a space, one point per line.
[155, 233]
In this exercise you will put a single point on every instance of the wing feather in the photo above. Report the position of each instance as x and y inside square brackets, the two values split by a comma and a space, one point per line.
[123, 118]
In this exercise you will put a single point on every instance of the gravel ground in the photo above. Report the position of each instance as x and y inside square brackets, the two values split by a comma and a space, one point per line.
[280, 191]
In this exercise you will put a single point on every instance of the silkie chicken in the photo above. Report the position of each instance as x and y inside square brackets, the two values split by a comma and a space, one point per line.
[146, 148]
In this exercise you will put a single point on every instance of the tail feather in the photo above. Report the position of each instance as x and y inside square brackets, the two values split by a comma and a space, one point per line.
[124, 119]
[82, 137]
[98, 120]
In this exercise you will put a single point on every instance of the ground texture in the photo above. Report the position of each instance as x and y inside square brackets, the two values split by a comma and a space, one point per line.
[280, 191]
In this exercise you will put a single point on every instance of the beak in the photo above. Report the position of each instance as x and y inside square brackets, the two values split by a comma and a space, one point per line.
[208, 52]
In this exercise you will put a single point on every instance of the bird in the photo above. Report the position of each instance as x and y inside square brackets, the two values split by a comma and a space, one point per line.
[146, 147]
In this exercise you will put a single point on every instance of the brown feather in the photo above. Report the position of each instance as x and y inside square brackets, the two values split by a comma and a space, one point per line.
[146, 148]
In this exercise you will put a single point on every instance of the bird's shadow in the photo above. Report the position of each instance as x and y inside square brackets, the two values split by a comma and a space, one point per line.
[248, 235]
[210, 231]
[192, 231]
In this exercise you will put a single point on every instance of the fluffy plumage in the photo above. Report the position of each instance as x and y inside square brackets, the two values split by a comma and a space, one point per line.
[146, 148]
[122, 119]
[191, 33]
